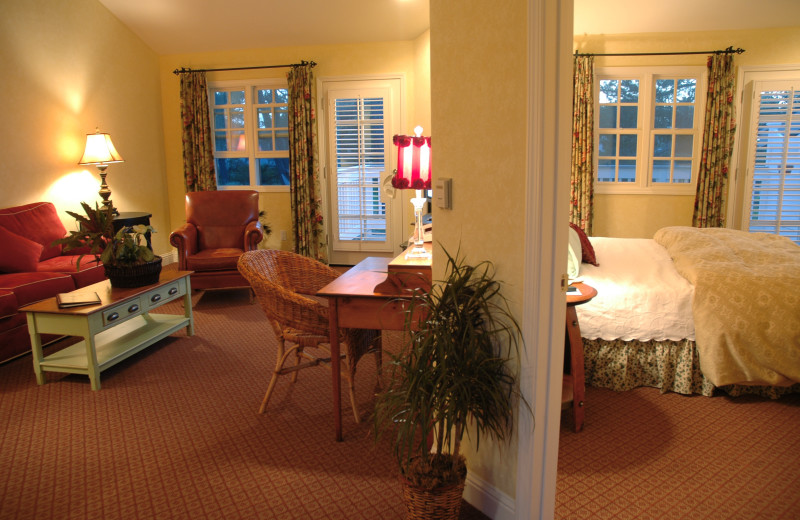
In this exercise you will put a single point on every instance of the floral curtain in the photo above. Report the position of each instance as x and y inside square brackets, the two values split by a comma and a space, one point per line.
[581, 190]
[198, 153]
[710, 205]
[305, 191]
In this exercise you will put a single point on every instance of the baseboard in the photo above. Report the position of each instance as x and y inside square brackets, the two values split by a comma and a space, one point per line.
[489, 500]
[169, 258]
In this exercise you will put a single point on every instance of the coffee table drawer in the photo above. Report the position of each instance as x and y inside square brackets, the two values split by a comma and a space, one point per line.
[120, 312]
[164, 294]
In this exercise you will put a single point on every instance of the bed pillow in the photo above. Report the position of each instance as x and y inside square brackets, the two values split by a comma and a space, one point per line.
[587, 251]
[574, 255]
[18, 254]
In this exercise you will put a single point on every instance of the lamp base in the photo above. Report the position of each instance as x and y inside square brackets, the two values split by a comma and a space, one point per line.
[418, 251]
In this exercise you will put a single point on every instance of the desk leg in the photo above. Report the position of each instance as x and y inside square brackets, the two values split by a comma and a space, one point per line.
[576, 366]
[336, 374]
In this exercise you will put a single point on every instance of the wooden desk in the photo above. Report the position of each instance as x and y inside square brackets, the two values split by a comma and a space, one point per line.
[353, 303]
[573, 386]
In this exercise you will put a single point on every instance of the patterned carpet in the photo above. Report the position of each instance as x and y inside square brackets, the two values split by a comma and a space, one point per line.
[646, 455]
[174, 434]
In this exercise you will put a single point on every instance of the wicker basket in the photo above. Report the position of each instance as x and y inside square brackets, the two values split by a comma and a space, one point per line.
[437, 504]
[134, 276]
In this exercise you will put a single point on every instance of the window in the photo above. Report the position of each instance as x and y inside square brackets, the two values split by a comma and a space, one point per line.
[648, 129]
[250, 123]
[775, 189]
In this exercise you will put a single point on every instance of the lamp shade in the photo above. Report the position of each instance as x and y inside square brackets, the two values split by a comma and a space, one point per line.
[100, 150]
[413, 161]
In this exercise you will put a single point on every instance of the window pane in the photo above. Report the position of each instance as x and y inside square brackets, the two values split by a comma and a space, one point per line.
[237, 97]
[627, 170]
[661, 171]
[628, 116]
[683, 172]
[684, 117]
[606, 170]
[662, 146]
[663, 117]
[238, 142]
[608, 116]
[220, 98]
[665, 88]
[220, 118]
[281, 95]
[686, 90]
[629, 91]
[233, 172]
[265, 118]
[281, 139]
[237, 117]
[265, 141]
[221, 141]
[273, 172]
[607, 145]
[281, 117]
[627, 145]
[608, 90]
[264, 96]
[683, 145]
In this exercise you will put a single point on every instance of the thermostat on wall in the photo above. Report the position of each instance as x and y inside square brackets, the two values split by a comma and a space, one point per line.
[441, 193]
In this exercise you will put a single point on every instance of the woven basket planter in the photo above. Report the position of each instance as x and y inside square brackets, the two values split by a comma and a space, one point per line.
[135, 275]
[443, 503]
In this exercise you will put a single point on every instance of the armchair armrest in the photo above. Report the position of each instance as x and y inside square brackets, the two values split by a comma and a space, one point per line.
[184, 239]
[253, 234]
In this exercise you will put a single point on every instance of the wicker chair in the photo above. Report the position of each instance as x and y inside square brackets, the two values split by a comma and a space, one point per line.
[283, 282]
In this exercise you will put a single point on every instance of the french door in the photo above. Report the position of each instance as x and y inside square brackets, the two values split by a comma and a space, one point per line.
[772, 197]
[361, 116]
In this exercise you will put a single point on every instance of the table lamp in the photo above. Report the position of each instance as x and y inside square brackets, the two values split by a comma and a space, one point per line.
[414, 172]
[100, 151]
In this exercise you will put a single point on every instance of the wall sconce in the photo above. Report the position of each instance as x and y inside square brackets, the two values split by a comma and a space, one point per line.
[100, 151]
[414, 172]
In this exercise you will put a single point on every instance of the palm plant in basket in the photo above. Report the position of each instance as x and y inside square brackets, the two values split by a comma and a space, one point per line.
[456, 370]
[128, 262]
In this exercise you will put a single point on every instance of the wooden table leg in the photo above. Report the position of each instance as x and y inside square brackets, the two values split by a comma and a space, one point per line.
[336, 374]
[576, 366]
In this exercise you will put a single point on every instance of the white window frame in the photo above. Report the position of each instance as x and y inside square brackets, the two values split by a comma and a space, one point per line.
[250, 130]
[645, 131]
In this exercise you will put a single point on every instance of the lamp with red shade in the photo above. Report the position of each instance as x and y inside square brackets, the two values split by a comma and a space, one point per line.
[414, 173]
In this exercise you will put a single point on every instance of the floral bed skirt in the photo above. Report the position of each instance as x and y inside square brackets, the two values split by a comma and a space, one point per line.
[671, 366]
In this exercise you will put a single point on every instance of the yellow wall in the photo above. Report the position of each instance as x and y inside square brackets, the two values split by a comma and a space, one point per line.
[478, 100]
[641, 215]
[408, 58]
[66, 68]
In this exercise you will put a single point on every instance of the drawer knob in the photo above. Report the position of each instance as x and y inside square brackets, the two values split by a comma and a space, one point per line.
[173, 291]
[155, 298]
[113, 316]
[133, 308]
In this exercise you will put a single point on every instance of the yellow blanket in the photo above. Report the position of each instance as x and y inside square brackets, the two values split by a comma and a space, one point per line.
[746, 302]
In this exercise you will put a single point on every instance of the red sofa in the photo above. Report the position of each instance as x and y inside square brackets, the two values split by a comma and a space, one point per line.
[32, 269]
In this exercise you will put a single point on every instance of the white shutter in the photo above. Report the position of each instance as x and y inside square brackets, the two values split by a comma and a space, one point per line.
[775, 189]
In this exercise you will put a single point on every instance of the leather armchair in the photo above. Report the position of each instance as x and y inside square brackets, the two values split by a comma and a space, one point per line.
[220, 226]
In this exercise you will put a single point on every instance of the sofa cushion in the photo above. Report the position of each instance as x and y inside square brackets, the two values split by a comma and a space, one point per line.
[214, 260]
[37, 221]
[91, 271]
[18, 254]
[8, 304]
[32, 287]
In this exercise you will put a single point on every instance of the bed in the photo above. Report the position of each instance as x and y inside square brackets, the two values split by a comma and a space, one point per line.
[692, 311]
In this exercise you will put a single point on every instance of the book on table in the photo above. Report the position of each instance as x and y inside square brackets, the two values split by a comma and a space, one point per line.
[77, 299]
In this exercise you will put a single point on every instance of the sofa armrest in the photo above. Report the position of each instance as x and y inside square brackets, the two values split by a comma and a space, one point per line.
[8, 304]
[253, 234]
[185, 240]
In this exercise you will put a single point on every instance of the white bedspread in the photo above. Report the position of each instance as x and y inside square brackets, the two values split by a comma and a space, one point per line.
[635, 273]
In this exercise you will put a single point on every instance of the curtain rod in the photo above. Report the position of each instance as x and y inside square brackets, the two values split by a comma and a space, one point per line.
[729, 50]
[302, 63]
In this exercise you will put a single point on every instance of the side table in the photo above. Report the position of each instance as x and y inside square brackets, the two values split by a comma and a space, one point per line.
[132, 218]
[573, 386]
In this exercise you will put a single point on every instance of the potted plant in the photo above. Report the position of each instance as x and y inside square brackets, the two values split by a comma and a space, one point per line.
[127, 260]
[457, 369]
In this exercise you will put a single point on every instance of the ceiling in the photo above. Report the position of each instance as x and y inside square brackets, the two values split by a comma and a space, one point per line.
[189, 26]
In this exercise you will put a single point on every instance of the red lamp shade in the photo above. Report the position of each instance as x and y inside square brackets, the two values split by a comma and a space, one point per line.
[413, 162]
